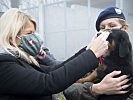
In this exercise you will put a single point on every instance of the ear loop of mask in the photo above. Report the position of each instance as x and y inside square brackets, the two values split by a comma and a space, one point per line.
[19, 37]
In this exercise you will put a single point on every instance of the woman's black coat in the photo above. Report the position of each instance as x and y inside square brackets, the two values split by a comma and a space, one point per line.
[22, 81]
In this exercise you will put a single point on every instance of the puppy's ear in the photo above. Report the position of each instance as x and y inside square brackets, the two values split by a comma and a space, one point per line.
[124, 48]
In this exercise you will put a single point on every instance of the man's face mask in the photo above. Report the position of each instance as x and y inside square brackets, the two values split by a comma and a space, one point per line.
[31, 43]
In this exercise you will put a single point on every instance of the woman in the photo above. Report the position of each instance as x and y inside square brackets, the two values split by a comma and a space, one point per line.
[110, 18]
[22, 77]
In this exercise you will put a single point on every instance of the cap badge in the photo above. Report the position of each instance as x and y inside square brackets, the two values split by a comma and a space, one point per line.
[118, 11]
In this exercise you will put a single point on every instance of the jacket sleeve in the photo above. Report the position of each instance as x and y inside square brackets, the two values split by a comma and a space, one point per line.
[54, 64]
[58, 64]
[49, 59]
[79, 91]
[23, 80]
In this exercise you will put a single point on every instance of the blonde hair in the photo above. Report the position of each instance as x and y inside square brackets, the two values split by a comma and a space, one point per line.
[122, 22]
[12, 23]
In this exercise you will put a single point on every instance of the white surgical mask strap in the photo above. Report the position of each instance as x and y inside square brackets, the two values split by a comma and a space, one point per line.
[19, 37]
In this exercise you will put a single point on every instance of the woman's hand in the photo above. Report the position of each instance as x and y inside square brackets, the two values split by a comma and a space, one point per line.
[99, 45]
[110, 85]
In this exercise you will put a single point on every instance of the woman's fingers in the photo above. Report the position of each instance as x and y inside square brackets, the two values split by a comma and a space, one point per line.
[121, 92]
[114, 73]
[114, 85]
[121, 82]
[123, 79]
[104, 35]
[125, 86]
[99, 46]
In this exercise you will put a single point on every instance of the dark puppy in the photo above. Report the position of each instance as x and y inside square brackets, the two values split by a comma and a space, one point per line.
[119, 57]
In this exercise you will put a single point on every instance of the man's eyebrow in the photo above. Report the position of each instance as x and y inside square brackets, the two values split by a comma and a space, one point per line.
[102, 25]
[112, 23]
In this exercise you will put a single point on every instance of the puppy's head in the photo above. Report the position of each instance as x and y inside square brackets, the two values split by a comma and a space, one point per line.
[119, 43]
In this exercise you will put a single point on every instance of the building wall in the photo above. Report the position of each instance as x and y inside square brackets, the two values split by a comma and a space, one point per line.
[68, 29]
